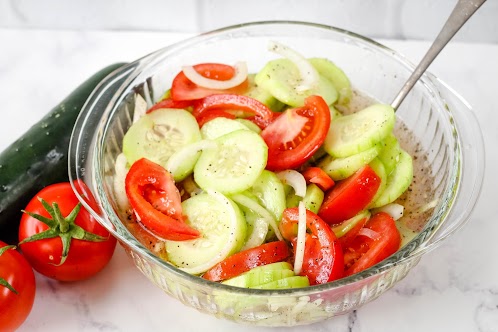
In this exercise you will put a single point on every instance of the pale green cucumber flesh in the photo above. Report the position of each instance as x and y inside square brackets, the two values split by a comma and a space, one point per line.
[389, 155]
[235, 165]
[223, 231]
[270, 193]
[379, 169]
[342, 168]
[312, 200]
[281, 78]
[261, 275]
[357, 132]
[262, 95]
[250, 125]
[157, 135]
[286, 283]
[257, 228]
[220, 126]
[336, 75]
[397, 182]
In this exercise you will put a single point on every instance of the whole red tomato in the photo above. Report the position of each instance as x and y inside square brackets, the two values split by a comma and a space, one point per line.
[60, 240]
[17, 288]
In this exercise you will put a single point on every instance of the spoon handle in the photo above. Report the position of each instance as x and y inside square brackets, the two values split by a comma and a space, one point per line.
[463, 10]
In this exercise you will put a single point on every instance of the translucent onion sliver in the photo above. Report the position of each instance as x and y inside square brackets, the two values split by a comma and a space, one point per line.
[237, 79]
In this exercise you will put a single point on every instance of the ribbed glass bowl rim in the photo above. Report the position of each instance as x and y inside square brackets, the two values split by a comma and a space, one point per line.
[401, 257]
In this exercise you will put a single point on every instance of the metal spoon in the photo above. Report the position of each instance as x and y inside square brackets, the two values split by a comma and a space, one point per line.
[463, 10]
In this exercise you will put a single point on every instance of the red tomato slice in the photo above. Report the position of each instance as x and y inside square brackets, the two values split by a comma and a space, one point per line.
[348, 238]
[291, 154]
[184, 89]
[323, 257]
[263, 116]
[156, 201]
[206, 117]
[350, 196]
[365, 252]
[170, 103]
[243, 261]
[318, 176]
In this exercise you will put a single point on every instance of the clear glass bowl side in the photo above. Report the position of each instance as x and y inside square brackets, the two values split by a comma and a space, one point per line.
[373, 69]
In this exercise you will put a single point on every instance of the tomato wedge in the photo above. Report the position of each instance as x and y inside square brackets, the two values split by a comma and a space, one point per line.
[323, 258]
[349, 196]
[170, 103]
[263, 116]
[243, 261]
[284, 154]
[365, 251]
[156, 201]
[184, 89]
[318, 176]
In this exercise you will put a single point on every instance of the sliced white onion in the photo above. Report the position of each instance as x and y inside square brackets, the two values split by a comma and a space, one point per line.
[309, 75]
[393, 209]
[286, 127]
[178, 158]
[237, 79]
[253, 205]
[295, 180]
[369, 233]
[301, 239]
[119, 182]
[140, 108]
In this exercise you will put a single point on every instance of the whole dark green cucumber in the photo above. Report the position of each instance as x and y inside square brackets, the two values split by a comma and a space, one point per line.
[39, 157]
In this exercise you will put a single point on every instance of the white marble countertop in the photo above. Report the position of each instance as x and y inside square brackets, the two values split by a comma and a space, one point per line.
[454, 288]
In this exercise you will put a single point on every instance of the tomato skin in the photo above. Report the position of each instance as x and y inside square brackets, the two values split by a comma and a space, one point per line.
[349, 196]
[318, 176]
[85, 258]
[243, 261]
[349, 237]
[295, 153]
[365, 252]
[263, 116]
[156, 201]
[170, 103]
[15, 308]
[184, 89]
[323, 257]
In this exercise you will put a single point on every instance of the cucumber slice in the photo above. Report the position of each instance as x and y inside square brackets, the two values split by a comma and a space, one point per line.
[379, 169]
[270, 193]
[357, 132]
[286, 283]
[347, 225]
[336, 76]
[261, 275]
[341, 168]
[234, 165]
[219, 127]
[280, 77]
[223, 230]
[157, 135]
[262, 95]
[397, 182]
[250, 125]
[389, 155]
[257, 229]
[181, 163]
[312, 200]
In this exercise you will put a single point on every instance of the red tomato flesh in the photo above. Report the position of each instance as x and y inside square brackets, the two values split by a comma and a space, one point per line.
[243, 261]
[184, 89]
[318, 176]
[156, 201]
[287, 155]
[170, 103]
[365, 252]
[323, 258]
[349, 196]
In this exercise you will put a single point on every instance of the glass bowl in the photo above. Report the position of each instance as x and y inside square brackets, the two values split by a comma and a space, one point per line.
[450, 156]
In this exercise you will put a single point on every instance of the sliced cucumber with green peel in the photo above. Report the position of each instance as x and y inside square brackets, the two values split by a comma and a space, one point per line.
[379, 169]
[397, 182]
[234, 165]
[281, 77]
[250, 125]
[312, 200]
[336, 75]
[357, 132]
[257, 229]
[347, 225]
[159, 134]
[286, 283]
[262, 95]
[261, 275]
[342, 168]
[219, 127]
[181, 163]
[270, 193]
[389, 155]
[223, 231]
